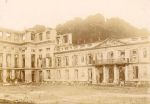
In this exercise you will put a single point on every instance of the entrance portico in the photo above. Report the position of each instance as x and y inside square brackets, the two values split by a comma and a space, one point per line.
[110, 74]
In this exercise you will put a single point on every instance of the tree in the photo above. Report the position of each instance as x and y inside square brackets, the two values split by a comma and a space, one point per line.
[37, 28]
[95, 27]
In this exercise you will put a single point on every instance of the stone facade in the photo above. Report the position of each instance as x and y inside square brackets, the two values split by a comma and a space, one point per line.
[103, 62]
[26, 57]
[48, 57]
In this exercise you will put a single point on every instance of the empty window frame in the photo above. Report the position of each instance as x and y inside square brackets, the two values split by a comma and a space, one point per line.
[48, 74]
[65, 38]
[32, 36]
[135, 72]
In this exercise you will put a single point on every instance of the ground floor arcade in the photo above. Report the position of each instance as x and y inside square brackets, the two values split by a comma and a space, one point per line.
[20, 76]
[94, 74]
[111, 73]
[104, 74]
[101, 74]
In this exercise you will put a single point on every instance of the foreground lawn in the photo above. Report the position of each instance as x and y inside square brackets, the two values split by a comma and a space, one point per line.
[3, 101]
[61, 94]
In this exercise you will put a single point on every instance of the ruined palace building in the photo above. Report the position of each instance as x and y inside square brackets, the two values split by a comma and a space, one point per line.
[48, 57]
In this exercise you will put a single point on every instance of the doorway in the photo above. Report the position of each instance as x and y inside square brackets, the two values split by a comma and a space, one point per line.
[90, 75]
[33, 60]
[111, 74]
[40, 76]
[16, 61]
[121, 73]
[99, 75]
[33, 76]
[22, 76]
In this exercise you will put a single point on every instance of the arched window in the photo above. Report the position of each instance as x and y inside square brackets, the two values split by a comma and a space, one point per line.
[8, 60]
[16, 61]
[32, 36]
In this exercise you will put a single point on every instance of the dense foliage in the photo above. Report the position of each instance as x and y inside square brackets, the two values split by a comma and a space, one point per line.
[96, 27]
[37, 29]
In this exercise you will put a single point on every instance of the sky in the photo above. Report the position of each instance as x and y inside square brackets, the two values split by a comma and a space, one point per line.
[22, 14]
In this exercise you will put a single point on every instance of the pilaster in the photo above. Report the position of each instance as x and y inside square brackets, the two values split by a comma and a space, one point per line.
[94, 76]
[4, 68]
[116, 74]
[126, 72]
[105, 74]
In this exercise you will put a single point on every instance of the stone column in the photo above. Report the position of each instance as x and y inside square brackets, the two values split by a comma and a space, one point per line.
[12, 65]
[37, 60]
[12, 60]
[44, 36]
[94, 75]
[36, 57]
[105, 74]
[47, 62]
[13, 74]
[53, 61]
[70, 60]
[71, 74]
[127, 54]
[20, 60]
[43, 57]
[28, 65]
[126, 72]
[28, 59]
[28, 77]
[37, 76]
[116, 74]
[4, 68]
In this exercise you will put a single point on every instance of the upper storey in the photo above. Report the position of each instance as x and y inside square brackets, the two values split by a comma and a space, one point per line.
[64, 43]
[47, 35]
[64, 39]
[29, 37]
[10, 37]
[136, 40]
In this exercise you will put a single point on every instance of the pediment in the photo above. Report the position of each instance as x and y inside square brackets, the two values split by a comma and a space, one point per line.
[109, 43]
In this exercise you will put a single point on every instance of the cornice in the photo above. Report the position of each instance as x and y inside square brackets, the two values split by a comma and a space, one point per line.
[25, 43]
[93, 48]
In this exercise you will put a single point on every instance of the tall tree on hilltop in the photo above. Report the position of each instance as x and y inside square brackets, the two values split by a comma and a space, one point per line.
[96, 27]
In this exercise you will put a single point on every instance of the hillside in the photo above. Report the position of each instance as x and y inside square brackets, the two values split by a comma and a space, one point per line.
[96, 27]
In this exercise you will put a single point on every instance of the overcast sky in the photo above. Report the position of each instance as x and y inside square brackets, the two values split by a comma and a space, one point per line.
[21, 14]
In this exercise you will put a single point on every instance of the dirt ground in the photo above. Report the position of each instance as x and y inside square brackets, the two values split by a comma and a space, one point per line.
[63, 94]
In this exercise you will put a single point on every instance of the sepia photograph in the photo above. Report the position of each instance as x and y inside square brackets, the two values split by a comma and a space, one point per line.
[74, 51]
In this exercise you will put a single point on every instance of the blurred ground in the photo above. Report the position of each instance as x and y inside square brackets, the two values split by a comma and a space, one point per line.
[63, 94]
